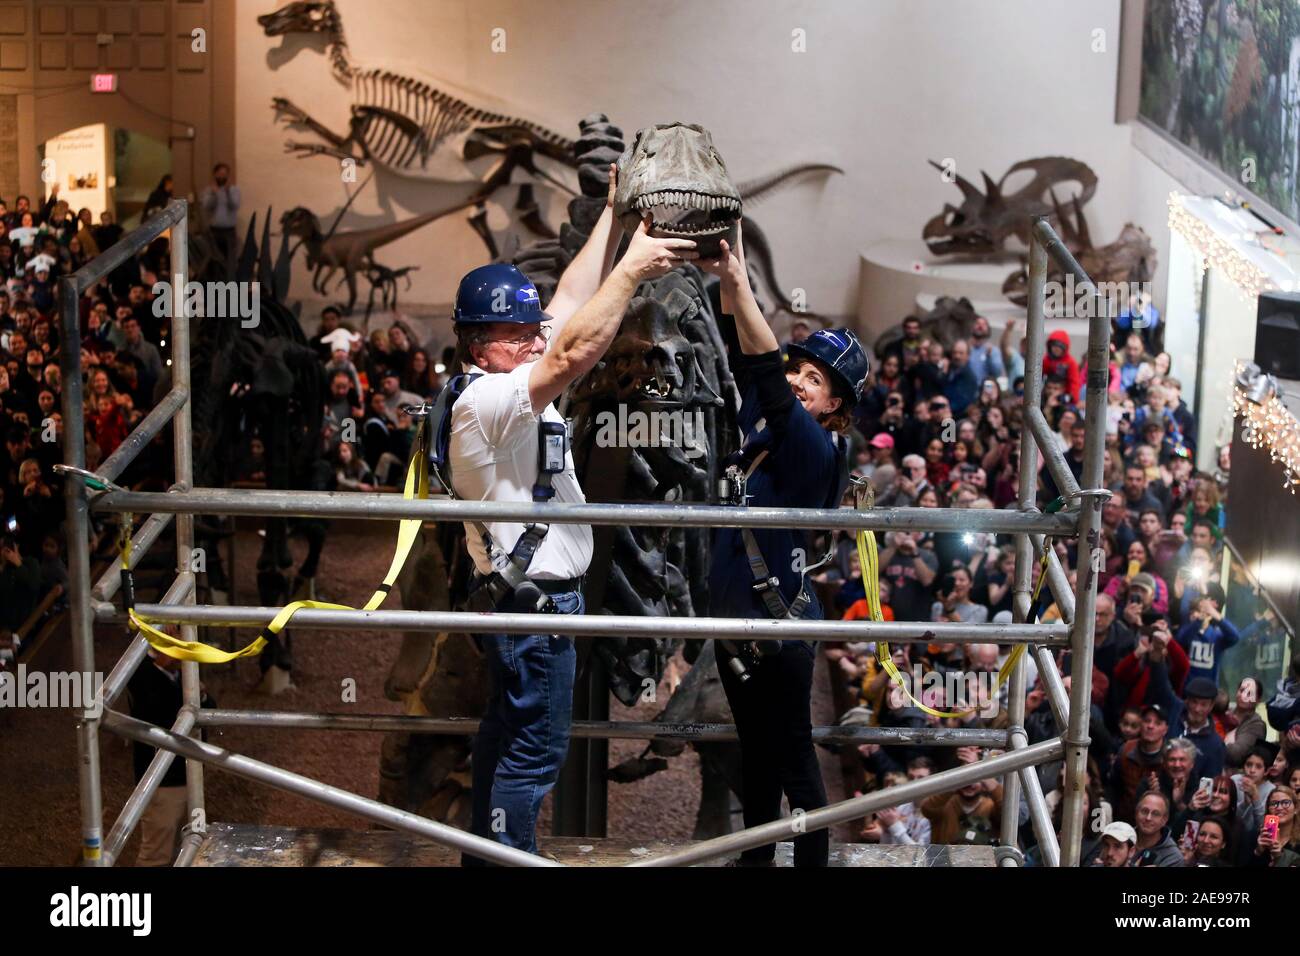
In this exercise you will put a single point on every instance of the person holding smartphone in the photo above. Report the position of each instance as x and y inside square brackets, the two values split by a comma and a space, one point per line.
[1278, 843]
[793, 414]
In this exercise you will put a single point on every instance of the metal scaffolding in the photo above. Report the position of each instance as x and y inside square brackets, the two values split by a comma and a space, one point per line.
[1031, 528]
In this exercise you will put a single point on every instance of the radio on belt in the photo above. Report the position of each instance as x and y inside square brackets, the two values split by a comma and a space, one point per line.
[552, 443]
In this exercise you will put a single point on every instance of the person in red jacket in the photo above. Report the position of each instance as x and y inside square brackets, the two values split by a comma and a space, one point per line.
[1132, 675]
[1060, 363]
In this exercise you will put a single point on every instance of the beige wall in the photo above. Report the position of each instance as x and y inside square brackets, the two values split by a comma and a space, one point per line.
[48, 51]
[884, 86]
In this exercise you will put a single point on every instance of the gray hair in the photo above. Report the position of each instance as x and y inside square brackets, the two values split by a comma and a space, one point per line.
[1185, 745]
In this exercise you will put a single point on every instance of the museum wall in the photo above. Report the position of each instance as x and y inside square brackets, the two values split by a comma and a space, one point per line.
[882, 87]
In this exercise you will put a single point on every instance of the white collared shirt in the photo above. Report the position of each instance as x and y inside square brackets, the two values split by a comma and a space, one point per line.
[493, 452]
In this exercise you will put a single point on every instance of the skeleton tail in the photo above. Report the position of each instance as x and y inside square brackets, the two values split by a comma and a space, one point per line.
[756, 190]
[758, 251]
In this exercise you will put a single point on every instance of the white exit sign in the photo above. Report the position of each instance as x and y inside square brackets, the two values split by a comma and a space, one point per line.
[103, 83]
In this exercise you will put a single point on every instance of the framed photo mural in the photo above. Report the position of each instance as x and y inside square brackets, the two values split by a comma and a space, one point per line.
[1222, 77]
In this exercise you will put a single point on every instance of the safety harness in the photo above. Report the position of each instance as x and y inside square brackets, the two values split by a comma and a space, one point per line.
[508, 586]
[732, 491]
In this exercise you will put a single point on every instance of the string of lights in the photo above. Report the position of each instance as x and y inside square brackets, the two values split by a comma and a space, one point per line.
[1267, 423]
[1215, 252]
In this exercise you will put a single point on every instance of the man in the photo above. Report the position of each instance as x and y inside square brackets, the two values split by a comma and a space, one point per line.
[799, 331]
[985, 357]
[1137, 495]
[1134, 365]
[1190, 718]
[1118, 843]
[329, 321]
[221, 203]
[148, 354]
[909, 348]
[1139, 313]
[960, 386]
[971, 815]
[390, 383]
[1077, 436]
[1155, 847]
[1139, 760]
[107, 232]
[524, 365]
[910, 570]
[1112, 638]
[1207, 634]
[1115, 519]
[156, 698]
[912, 480]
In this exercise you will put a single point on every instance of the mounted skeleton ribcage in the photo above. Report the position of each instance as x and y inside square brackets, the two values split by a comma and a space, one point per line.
[408, 126]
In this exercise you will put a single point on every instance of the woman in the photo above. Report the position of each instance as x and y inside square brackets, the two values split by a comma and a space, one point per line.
[1243, 727]
[936, 465]
[795, 460]
[1282, 849]
[351, 473]
[1117, 586]
[419, 376]
[159, 198]
[1212, 846]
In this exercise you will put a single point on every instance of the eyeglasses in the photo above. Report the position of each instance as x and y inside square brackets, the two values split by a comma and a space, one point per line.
[1280, 804]
[527, 338]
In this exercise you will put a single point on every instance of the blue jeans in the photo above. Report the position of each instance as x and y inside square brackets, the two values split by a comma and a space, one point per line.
[524, 735]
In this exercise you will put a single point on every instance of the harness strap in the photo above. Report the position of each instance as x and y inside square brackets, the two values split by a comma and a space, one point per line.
[766, 584]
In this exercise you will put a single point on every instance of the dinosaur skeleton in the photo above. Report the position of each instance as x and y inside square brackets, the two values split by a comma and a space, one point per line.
[351, 251]
[1124, 264]
[986, 220]
[667, 357]
[421, 131]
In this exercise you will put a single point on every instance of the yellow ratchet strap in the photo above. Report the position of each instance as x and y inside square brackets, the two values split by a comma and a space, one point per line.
[417, 486]
[869, 558]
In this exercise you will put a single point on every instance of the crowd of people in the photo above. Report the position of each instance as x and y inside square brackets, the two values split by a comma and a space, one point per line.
[126, 372]
[1180, 771]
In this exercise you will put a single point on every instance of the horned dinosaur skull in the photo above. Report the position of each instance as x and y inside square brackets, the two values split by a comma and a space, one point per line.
[673, 172]
[302, 16]
[985, 220]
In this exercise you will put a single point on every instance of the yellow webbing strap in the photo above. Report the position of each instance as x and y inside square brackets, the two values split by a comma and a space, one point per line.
[870, 561]
[417, 486]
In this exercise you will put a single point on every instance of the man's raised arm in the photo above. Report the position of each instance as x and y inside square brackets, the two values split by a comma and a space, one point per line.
[589, 267]
[581, 341]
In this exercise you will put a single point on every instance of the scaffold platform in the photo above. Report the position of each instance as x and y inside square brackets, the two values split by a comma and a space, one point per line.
[245, 844]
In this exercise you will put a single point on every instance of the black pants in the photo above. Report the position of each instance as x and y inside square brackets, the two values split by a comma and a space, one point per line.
[774, 722]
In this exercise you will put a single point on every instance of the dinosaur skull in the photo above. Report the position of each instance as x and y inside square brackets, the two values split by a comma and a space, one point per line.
[673, 173]
[651, 363]
[302, 16]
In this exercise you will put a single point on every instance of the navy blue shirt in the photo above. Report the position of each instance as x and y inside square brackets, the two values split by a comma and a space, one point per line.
[802, 469]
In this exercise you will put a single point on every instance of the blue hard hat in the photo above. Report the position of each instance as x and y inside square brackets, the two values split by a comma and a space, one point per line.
[497, 293]
[841, 352]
